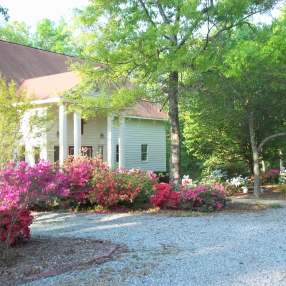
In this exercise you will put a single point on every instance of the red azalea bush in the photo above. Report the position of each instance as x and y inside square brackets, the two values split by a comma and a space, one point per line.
[200, 198]
[164, 197]
[129, 187]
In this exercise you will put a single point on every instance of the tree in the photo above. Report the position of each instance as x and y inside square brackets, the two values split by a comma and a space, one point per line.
[51, 36]
[154, 44]
[54, 37]
[13, 105]
[244, 93]
[15, 32]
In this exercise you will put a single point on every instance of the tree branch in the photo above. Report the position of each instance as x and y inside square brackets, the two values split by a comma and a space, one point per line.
[265, 140]
[162, 13]
[147, 12]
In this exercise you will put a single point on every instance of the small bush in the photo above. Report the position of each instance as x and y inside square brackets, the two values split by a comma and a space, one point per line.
[128, 187]
[14, 225]
[203, 198]
[199, 198]
[164, 197]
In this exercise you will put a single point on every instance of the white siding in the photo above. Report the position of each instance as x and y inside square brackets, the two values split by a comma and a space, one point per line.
[152, 133]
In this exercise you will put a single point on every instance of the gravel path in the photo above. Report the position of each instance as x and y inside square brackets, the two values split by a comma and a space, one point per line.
[221, 249]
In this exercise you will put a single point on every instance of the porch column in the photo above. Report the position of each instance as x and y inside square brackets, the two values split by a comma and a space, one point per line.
[121, 142]
[44, 137]
[110, 153]
[63, 142]
[77, 133]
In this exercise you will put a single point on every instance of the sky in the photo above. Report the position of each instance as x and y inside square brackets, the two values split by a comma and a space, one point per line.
[31, 11]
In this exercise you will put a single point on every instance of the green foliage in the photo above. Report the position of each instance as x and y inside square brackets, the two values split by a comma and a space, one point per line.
[248, 77]
[54, 37]
[51, 36]
[12, 108]
[16, 32]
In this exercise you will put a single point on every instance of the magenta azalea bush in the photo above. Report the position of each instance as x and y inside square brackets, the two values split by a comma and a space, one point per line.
[21, 186]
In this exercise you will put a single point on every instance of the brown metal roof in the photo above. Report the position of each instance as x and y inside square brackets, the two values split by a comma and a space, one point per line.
[45, 74]
[146, 109]
[50, 86]
[19, 62]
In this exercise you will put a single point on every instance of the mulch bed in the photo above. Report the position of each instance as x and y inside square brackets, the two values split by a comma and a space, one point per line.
[272, 192]
[43, 257]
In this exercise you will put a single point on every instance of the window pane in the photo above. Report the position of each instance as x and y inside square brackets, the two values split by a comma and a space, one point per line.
[144, 152]
[117, 153]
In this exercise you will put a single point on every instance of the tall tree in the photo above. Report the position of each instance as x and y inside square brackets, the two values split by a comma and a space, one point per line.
[244, 93]
[155, 43]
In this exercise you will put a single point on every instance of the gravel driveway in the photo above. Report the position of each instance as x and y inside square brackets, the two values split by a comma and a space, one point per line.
[219, 249]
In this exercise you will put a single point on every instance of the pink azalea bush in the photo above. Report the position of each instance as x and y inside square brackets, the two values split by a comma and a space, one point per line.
[20, 186]
[203, 198]
[77, 177]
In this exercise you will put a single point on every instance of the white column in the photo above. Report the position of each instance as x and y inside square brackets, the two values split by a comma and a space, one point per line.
[29, 156]
[63, 142]
[77, 133]
[44, 136]
[110, 149]
[121, 142]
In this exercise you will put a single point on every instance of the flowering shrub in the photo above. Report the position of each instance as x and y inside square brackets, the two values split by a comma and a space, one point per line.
[236, 185]
[164, 197]
[111, 188]
[203, 198]
[14, 225]
[21, 187]
[188, 182]
[77, 174]
[199, 198]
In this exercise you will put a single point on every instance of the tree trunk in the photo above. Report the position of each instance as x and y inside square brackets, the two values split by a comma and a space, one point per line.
[255, 157]
[175, 128]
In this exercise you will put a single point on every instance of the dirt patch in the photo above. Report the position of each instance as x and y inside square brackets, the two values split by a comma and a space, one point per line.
[245, 207]
[43, 257]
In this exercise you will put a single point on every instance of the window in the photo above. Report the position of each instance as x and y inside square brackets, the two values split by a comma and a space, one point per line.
[144, 152]
[85, 151]
[56, 153]
[117, 153]
[100, 150]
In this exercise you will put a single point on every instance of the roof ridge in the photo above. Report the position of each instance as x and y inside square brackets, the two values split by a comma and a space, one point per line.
[35, 48]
